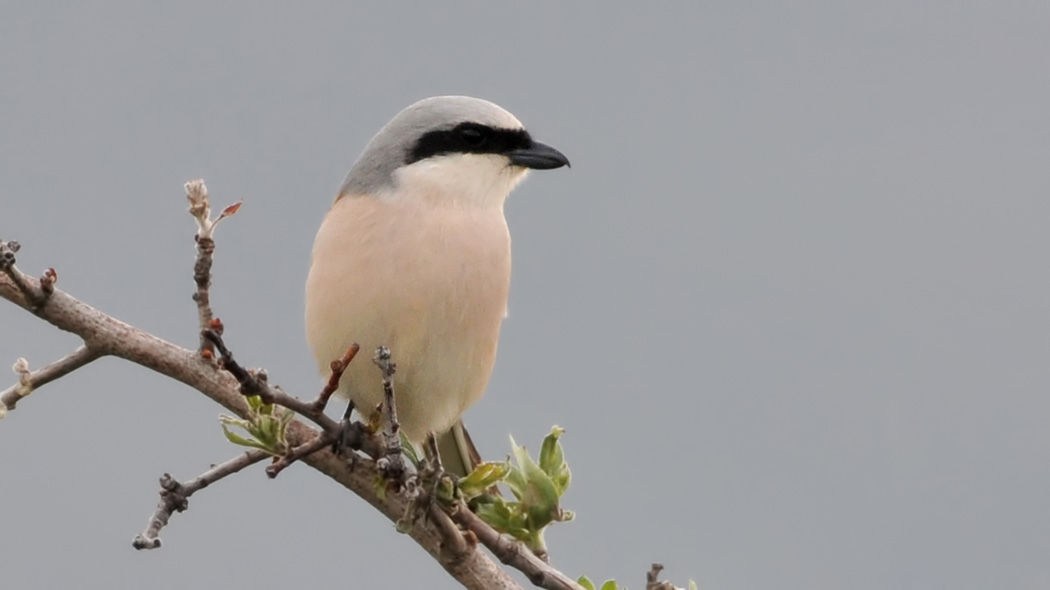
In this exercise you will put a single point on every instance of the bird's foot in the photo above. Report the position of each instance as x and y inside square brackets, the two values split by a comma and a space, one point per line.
[430, 485]
[346, 431]
[392, 462]
[440, 484]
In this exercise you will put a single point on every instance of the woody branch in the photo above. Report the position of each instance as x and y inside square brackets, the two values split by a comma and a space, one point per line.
[104, 335]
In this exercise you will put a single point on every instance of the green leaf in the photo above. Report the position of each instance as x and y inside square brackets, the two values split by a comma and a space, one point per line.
[537, 489]
[266, 426]
[483, 477]
[224, 419]
[244, 442]
[562, 480]
[521, 456]
[516, 482]
[551, 455]
[541, 496]
[495, 514]
[516, 478]
[585, 582]
[445, 490]
[609, 585]
[409, 449]
[500, 517]
[236, 438]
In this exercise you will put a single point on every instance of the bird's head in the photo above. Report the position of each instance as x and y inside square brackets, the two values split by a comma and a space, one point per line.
[450, 151]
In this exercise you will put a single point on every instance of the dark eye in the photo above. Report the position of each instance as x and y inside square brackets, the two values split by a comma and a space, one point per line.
[473, 136]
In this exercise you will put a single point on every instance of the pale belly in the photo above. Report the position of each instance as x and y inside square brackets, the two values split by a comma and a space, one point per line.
[430, 284]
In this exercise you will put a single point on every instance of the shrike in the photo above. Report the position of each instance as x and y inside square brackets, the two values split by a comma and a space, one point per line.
[414, 255]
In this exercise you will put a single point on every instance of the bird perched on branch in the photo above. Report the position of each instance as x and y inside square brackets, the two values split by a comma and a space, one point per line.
[414, 255]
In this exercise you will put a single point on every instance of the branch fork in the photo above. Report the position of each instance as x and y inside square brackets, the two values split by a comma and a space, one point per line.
[36, 295]
[174, 496]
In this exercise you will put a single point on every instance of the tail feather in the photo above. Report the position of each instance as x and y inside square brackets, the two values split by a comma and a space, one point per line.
[458, 454]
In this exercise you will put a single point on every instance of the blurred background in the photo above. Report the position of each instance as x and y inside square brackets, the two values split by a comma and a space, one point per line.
[790, 303]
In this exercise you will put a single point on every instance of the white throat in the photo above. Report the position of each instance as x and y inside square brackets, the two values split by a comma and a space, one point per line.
[457, 181]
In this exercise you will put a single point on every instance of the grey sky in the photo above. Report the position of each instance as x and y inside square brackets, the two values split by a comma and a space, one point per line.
[790, 302]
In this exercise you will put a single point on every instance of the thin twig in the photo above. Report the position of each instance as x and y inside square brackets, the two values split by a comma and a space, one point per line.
[202, 278]
[652, 579]
[355, 436]
[338, 367]
[36, 295]
[8, 249]
[28, 381]
[47, 282]
[512, 552]
[321, 441]
[392, 463]
[250, 383]
[200, 209]
[174, 496]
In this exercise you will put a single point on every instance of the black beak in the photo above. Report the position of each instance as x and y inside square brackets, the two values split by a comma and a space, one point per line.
[538, 156]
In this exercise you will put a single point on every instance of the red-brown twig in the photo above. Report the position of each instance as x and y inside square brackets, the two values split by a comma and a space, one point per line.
[351, 435]
[338, 368]
[250, 383]
[354, 436]
[174, 496]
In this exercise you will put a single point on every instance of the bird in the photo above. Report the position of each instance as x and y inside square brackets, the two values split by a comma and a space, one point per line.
[415, 255]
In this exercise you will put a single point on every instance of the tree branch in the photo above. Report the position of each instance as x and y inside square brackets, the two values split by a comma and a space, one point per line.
[109, 336]
[35, 295]
[28, 381]
[200, 209]
[513, 553]
[175, 496]
[338, 368]
[253, 383]
[322, 440]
